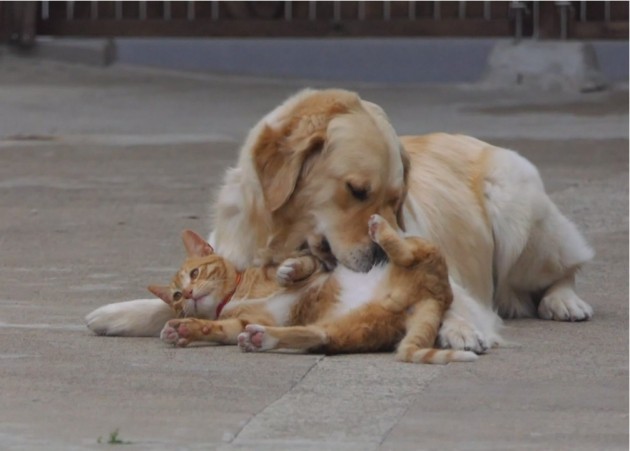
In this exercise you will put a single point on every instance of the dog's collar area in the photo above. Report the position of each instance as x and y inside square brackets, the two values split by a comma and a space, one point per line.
[228, 297]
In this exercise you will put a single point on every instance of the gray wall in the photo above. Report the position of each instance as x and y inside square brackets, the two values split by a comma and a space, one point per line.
[380, 60]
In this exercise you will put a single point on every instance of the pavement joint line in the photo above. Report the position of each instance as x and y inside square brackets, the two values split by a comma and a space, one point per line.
[306, 373]
[394, 424]
[75, 327]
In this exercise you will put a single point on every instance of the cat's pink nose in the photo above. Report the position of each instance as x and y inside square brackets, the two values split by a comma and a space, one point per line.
[187, 293]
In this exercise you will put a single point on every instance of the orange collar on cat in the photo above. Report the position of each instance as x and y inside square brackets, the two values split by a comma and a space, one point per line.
[228, 297]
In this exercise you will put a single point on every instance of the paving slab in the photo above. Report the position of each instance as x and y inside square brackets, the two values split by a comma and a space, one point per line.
[100, 170]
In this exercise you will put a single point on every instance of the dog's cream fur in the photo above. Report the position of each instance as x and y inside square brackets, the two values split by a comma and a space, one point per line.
[320, 164]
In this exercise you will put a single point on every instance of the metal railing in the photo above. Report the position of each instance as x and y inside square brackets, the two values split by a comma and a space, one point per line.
[518, 19]
[566, 15]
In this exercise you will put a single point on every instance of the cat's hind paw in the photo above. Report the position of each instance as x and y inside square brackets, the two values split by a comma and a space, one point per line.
[380, 230]
[255, 339]
[375, 225]
[177, 332]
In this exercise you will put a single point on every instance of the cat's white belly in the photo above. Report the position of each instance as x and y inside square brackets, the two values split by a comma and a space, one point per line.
[278, 305]
[356, 289]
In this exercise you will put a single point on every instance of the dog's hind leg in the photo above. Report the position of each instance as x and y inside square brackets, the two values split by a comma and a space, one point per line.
[537, 249]
[553, 255]
[561, 302]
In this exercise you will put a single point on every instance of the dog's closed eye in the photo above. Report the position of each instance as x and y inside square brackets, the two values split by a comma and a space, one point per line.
[358, 192]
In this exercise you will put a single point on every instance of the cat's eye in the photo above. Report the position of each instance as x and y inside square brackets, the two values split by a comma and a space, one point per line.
[194, 274]
[358, 193]
[177, 296]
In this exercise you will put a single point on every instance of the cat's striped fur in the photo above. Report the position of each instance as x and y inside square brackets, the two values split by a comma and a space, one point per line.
[216, 301]
[405, 309]
[297, 305]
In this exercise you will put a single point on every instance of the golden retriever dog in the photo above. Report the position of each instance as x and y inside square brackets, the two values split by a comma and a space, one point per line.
[313, 171]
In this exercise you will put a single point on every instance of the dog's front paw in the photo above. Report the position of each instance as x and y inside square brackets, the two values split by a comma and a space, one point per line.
[564, 306]
[456, 333]
[138, 318]
[107, 320]
[255, 339]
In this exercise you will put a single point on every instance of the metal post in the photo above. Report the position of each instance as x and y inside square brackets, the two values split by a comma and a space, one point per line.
[564, 18]
[519, 10]
[69, 10]
[607, 11]
[214, 10]
[288, 11]
[20, 22]
[312, 10]
[387, 12]
[487, 10]
[45, 10]
[143, 10]
[337, 11]
[118, 10]
[536, 24]
[167, 11]
[190, 11]
[93, 10]
[461, 12]
[583, 11]
[412, 10]
[361, 12]
[436, 10]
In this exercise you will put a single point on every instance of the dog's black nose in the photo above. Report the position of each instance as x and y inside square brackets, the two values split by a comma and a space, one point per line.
[378, 255]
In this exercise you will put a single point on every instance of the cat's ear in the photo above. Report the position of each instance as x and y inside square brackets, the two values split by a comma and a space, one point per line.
[162, 292]
[195, 245]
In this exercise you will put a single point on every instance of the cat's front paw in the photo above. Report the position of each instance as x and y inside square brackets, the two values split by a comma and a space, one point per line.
[255, 339]
[288, 272]
[456, 333]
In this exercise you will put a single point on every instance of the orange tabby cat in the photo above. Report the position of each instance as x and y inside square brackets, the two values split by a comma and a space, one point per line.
[401, 302]
[221, 300]
[405, 307]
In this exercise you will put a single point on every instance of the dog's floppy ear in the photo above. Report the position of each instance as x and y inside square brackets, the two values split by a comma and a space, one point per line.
[280, 153]
[278, 159]
[406, 166]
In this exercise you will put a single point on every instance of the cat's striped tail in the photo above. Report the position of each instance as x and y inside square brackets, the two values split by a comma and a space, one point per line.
[415, 354]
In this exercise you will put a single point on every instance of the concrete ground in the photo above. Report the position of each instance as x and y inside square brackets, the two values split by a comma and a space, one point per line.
[100, 170]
